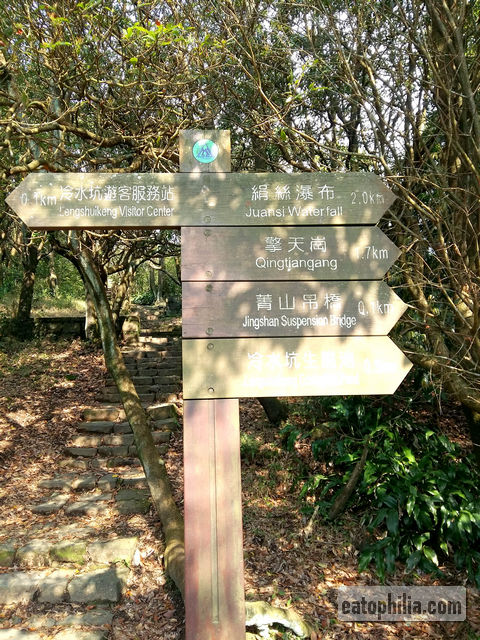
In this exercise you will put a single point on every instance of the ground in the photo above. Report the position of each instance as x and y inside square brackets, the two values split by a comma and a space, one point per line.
[43, 388]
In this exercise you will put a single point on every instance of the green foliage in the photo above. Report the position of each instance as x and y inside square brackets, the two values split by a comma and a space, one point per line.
[70, 285]
[290, 434]
[70, 291]
[417, 493]
[11, 277]
[249, 447]
[142, 293]
[421, 495]
[147, 297]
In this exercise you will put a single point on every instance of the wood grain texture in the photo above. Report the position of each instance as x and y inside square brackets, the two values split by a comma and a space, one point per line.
[282, 253]
[200, 198]
[279, 367]
[214, 585]
[305, 308]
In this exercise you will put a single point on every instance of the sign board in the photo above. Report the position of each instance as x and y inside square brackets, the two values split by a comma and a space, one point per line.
[256, 242]
[283, 253]
[306, 308]
[143, 200]
[276, 367]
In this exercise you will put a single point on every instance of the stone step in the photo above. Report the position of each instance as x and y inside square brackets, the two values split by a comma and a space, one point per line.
[134, 357]
[162, 395]
[168, 397]
[148, 331]
[72, 481]
[108, 413]
[108, 451]
[154, 359]
[155, 370]
[166, 383]
[89, 620]
[167, 367]
[144, 382]
[154, 339]
[123, 427]
[104, 413]
[145, 398]
[136, 500]
[103, 585]
[116, 439]
[43, 552]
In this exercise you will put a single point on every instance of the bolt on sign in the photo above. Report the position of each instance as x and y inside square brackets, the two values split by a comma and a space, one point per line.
[282, 296]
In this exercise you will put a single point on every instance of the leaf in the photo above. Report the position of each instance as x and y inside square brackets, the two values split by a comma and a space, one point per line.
[392, 520]
[465, 521]
[408, 455]
[365, 559]
[430, 554]
[413, 559]
[410, 504]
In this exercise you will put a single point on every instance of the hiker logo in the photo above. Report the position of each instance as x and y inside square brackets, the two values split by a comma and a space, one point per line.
[205, 151]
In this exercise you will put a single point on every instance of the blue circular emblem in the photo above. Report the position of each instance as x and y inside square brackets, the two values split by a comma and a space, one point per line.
[205, 151]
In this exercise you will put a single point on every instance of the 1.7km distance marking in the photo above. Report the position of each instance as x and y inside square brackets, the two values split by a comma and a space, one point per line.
[371, 252]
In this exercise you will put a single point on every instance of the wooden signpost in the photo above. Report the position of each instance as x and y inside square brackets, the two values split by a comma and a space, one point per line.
[281, 297]
[214, 583]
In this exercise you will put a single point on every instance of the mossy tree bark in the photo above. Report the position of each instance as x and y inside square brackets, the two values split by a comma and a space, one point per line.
[155, 472]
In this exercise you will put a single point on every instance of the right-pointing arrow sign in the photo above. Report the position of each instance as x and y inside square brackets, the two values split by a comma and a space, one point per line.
[283, 253]
[252, 367]
[305, 308]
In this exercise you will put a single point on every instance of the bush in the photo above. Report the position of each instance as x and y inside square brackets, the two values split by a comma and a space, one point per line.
[147, 298]
[423, 499]
[417, 493]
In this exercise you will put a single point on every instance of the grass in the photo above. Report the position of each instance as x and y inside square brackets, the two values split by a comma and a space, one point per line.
[44, 306]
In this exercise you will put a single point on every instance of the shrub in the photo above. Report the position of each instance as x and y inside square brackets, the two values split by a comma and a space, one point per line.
[147, 298]
[417, 493]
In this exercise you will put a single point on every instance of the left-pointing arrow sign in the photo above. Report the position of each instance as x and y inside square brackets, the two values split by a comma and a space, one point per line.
[142, 200]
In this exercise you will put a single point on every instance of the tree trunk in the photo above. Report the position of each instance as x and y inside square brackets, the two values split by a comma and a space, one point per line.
[52, 276]
[29, 263]
[154, 468]
[91, 324]
[160, 283]
[151, 281]
[344, 495]
[119, 297]
[276, 411]
[473, 421]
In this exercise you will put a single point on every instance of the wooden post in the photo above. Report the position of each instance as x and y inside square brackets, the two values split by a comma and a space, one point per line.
[214, 583]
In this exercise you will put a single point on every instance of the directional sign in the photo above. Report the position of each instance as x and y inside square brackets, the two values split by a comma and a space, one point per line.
[140, 200]
[253, 309]
[283, 253]
[253, 367]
